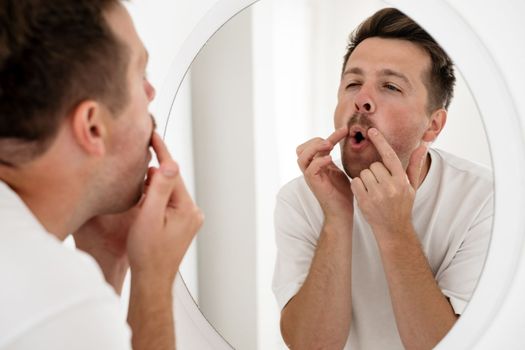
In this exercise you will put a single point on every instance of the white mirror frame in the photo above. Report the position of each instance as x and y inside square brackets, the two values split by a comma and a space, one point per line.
[487, 322]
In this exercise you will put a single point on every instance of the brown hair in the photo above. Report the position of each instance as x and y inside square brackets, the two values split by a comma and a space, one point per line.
[53, 55]
[390, 23]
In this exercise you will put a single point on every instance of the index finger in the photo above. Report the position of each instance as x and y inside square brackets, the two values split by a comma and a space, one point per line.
[334, 138]
[161, 151]
[338, 135]
[169, 168]
[387, 153]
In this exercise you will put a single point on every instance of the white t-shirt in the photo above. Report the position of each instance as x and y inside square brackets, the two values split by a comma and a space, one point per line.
[51, 297]
[452, 216]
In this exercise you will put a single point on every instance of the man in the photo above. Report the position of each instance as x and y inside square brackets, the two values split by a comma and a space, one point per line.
[75, 134]
[386, 254]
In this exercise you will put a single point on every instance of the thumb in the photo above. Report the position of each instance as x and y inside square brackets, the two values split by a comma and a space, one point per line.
[415, 165]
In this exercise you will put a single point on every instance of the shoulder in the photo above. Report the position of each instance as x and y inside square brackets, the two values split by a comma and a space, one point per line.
[452, 162]
[293, 188]
[42, 254]
[463, 173]
[297, 194]
[459, 185]
[43, 279]
[297, 211]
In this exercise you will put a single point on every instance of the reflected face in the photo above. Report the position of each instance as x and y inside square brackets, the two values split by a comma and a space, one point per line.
[131, 131]
[383, 87]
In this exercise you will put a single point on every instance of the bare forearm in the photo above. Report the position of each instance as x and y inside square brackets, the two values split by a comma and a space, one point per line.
[319, 315]
[423, 314]
[150, 315]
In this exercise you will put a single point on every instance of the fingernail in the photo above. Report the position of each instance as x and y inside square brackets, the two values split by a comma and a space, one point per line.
[373, 131]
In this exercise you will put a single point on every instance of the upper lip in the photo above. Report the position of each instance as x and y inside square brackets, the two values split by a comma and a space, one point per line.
[358, 129]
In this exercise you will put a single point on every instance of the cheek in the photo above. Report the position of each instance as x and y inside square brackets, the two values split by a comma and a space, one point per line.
[142, 139]
[405, 142]
[342, 112]
[403, 133]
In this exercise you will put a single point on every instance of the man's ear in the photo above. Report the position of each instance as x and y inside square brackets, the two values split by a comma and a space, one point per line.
[89, 127]
[437, 120]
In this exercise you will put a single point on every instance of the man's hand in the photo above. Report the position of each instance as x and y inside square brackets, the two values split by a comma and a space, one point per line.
[329, 184]
[166, 220]
[165, 224]
[385, 193]
[307, 321]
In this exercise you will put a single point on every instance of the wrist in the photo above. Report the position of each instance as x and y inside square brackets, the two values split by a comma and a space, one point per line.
[394, 240]
[341, 220]
[152, 279]
[338, 227]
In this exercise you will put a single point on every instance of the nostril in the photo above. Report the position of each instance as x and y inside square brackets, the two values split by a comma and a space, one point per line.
[367, 106]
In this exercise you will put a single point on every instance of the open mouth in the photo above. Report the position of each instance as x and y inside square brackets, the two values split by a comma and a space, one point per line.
[359, 137]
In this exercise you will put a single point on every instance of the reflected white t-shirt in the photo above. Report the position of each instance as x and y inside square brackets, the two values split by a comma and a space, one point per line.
[452, 216]
[51, 297]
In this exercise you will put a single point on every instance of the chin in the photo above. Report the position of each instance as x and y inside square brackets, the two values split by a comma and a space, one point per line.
[353, 164]
[139, 193]
[134, 197]
[127, 200]
[354, 171]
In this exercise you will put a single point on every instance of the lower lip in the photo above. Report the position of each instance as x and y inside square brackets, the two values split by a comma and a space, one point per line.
[358, 146]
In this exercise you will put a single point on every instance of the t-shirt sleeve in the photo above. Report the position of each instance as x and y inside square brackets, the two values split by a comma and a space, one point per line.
[296, 242]
[90, 324]
[459, 279]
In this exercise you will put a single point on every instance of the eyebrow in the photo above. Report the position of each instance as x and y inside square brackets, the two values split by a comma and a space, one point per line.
[384, 73]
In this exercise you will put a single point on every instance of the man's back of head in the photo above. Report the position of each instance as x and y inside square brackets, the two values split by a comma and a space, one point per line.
[53, 54]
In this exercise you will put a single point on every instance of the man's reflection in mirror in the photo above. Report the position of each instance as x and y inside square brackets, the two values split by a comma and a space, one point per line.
[383, 248]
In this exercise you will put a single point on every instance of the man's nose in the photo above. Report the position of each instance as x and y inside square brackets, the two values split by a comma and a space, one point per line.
[364, 102]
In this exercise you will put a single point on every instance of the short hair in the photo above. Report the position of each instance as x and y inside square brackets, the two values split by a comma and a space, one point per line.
[53, 55]
[390, 23]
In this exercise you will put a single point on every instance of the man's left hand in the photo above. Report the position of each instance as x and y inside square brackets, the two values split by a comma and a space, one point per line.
[385, 193]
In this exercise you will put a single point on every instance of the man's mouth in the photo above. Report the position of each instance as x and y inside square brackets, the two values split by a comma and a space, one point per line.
[358, 137]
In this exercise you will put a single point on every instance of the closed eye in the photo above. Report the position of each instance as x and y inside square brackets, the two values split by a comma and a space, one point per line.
[353, 84]
[392, 87]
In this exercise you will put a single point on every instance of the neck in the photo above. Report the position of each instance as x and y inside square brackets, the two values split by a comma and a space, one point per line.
[53, 203]
[52, 191]
[425, 169]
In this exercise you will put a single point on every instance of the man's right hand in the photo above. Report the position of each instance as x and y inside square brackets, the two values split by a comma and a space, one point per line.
[329, 184]
[166, 222]
[165, 225]
[307, 321]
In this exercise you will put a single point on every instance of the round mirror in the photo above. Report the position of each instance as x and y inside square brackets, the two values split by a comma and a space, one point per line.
[265, 83]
